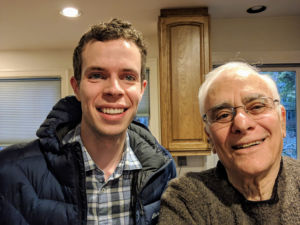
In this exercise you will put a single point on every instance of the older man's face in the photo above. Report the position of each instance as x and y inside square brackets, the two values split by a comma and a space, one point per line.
[247, 146]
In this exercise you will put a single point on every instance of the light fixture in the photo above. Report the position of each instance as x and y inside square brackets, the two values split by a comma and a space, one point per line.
[70, 12]
[256, 9]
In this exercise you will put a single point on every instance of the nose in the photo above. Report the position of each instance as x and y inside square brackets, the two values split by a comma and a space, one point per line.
[113, 87]
[242, 122]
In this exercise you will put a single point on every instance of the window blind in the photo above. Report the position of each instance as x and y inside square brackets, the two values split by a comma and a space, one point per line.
[24, 105]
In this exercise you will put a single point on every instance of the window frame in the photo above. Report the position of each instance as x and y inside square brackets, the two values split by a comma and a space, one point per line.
[64, 76]
[154, 93]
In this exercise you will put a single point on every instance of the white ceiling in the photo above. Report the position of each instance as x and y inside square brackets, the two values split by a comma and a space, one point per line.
[37, 24]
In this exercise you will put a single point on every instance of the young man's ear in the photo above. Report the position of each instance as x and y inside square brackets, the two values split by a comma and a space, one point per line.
[75, 87]
[144, 85]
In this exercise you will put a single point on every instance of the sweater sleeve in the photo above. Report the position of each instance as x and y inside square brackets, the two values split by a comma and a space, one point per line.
[178, 205]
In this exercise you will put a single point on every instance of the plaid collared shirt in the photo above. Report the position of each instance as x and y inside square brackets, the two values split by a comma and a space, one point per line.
[108, 202]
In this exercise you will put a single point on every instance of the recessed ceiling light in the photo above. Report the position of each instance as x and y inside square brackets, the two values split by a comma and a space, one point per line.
[70, 12]
[256, 9]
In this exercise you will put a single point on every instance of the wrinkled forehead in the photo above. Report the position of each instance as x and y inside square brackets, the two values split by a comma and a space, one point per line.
[235, 85]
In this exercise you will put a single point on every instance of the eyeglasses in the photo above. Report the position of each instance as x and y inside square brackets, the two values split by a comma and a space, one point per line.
[225, 114]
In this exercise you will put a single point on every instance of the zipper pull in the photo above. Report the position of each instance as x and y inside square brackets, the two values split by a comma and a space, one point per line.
[142, 207]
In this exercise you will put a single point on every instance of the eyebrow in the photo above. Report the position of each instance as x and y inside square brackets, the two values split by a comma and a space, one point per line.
[252, 97]
[96, 68]
[245, 100]
[220, 106]
[130, 70]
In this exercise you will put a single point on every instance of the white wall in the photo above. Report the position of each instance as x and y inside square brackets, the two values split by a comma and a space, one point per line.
[255, 40]
[35, 60]
[38, 63]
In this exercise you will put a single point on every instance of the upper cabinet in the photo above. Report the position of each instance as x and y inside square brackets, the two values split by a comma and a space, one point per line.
[184, 60]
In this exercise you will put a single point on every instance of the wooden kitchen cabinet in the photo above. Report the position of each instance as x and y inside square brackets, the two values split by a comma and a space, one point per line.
[184, 60]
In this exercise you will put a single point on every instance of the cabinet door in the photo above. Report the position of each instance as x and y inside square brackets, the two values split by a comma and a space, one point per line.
[184, 60]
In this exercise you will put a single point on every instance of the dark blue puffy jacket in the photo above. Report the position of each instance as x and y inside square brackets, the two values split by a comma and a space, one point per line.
[43, 182]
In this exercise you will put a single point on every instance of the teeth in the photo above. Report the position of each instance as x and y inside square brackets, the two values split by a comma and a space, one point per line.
[112, 111]
[247, 145]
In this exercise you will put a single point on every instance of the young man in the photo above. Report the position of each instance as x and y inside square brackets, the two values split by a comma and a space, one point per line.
[252, 183]
[91, 163]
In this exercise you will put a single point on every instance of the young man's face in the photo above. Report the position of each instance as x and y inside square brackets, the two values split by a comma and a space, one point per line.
[248, 145]
[110, 88]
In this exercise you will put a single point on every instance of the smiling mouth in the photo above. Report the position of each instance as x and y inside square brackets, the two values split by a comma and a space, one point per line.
[111, 111]
[248, 145]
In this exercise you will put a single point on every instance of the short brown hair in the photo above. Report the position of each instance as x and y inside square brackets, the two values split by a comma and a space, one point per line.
[112, 30]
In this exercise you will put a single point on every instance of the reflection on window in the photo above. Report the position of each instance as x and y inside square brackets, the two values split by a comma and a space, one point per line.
[286, 84]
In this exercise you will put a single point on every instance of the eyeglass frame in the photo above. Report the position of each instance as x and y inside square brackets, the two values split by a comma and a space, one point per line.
[234, 111]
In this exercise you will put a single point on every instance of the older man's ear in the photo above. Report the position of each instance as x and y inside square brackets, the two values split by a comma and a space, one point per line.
[209, 141]
[283, 120]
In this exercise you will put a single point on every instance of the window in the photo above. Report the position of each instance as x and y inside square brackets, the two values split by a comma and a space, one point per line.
[24, 105]
[143, 113]
[287, 80]
[31, 94]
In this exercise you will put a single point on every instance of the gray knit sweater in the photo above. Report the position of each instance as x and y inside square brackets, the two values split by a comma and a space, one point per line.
[208, 198]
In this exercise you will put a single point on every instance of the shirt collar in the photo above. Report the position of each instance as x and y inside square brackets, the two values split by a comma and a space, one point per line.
[128, 162]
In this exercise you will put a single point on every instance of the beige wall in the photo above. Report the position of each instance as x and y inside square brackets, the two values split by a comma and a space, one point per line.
[255, 40]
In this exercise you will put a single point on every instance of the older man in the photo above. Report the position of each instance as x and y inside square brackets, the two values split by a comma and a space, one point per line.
[252, 183]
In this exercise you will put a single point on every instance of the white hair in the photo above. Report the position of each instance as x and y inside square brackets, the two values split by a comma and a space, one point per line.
[215, 73]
